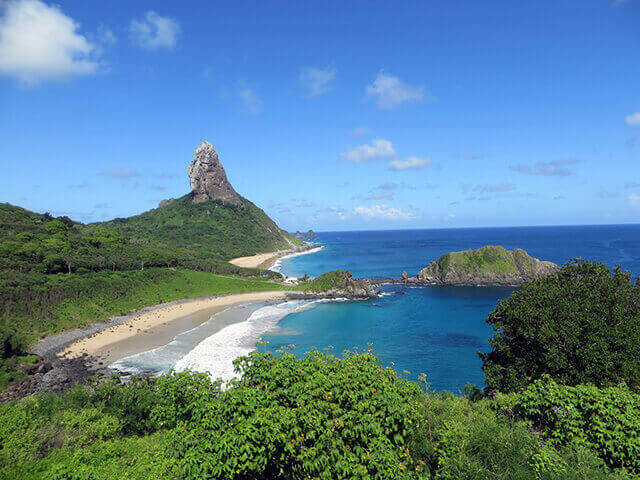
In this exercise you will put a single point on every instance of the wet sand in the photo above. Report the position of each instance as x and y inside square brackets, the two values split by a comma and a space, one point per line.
[158, 327]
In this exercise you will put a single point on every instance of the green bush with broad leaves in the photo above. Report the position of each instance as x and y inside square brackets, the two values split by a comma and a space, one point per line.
[318, 417]
[605, 420]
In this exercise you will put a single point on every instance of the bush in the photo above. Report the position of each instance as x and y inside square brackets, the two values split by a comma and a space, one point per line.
[319, 417]
[578, 325]
[605, 420]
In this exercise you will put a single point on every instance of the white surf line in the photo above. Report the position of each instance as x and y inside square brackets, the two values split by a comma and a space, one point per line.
[215, 354]
[277, 265]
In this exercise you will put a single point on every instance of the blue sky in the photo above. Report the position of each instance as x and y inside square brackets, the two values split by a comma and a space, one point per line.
[331, 115]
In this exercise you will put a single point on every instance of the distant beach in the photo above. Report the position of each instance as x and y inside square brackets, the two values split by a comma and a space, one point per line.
[270, 261]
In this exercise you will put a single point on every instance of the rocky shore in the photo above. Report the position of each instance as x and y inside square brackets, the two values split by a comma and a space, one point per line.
[52, 374]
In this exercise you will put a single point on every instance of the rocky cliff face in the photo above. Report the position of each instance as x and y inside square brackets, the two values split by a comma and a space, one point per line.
[208, 178]
[489, 265]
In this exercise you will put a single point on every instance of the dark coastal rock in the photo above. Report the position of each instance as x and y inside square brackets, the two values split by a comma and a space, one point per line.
[209, 179]
[53, 376]
[489, 265]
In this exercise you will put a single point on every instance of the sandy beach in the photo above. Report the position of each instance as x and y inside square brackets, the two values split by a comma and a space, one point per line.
[152, 329]
[261, 260]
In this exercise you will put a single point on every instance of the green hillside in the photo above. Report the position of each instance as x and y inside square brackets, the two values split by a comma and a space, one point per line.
[211, 228]
[57, 274]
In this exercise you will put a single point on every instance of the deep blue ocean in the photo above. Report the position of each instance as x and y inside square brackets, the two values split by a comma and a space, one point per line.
[433, 330]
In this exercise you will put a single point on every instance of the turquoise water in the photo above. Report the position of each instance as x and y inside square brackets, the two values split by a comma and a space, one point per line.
[435, 330]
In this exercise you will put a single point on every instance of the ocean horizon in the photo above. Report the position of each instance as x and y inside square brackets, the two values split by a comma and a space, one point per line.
[435, 330]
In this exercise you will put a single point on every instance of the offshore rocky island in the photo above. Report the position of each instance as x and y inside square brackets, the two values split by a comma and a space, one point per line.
[486, 266]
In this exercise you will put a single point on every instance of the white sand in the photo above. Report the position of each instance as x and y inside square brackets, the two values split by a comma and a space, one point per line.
[262, 260]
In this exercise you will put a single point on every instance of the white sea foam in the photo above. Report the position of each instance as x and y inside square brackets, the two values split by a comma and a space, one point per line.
[216, 354]
[277, 266]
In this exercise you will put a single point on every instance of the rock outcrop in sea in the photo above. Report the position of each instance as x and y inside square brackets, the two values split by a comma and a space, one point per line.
[337, 284]
[209, 179]
[310, 235]
[489, 265]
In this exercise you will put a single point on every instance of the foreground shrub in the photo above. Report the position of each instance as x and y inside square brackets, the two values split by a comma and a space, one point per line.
[605, 420]
[319, 417]
[578, 325]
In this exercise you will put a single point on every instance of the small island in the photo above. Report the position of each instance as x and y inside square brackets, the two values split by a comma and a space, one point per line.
[310, 235]
[488, 265]
[335, 284]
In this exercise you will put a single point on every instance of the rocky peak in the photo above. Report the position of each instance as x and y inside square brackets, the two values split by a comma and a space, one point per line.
[208, 178]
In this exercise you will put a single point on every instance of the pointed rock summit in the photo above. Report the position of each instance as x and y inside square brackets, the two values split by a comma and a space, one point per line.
[208, 178]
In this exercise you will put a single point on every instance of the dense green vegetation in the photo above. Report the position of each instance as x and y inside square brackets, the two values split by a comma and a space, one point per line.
[490, 258]
[175, 235]
[578, 325]
[606, 420]
[205, 229]
[335, 279]
[288, 418]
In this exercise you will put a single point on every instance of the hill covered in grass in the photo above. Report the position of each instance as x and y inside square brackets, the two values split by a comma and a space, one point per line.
[488, 265]
[213, 228]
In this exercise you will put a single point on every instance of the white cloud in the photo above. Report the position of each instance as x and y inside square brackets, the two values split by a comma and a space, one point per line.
[106, 36]
[154, 31]
[555, 168]
[634, 199]
[378, 149]
[329, 212]
[249, 101]
[467, 155]
[633, 120]
[411, 163]
[38, 42]
[389, 91]
[315, 81]
[382, 211]
[361, 131]
[607, 195]
[489, 188]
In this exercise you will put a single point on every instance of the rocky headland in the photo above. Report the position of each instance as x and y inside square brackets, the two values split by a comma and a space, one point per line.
[336, 284]
[488, 265]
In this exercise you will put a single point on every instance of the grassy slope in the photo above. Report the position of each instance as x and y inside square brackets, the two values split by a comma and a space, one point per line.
[218, 229]
[326, 281]
[494, 259]
[77, 299]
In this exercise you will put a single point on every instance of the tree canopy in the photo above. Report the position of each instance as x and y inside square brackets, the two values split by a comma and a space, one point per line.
[578, 325]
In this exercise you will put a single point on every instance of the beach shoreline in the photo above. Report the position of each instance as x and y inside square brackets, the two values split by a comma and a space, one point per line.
[103, 343]
[266, 261]
[145, 329]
